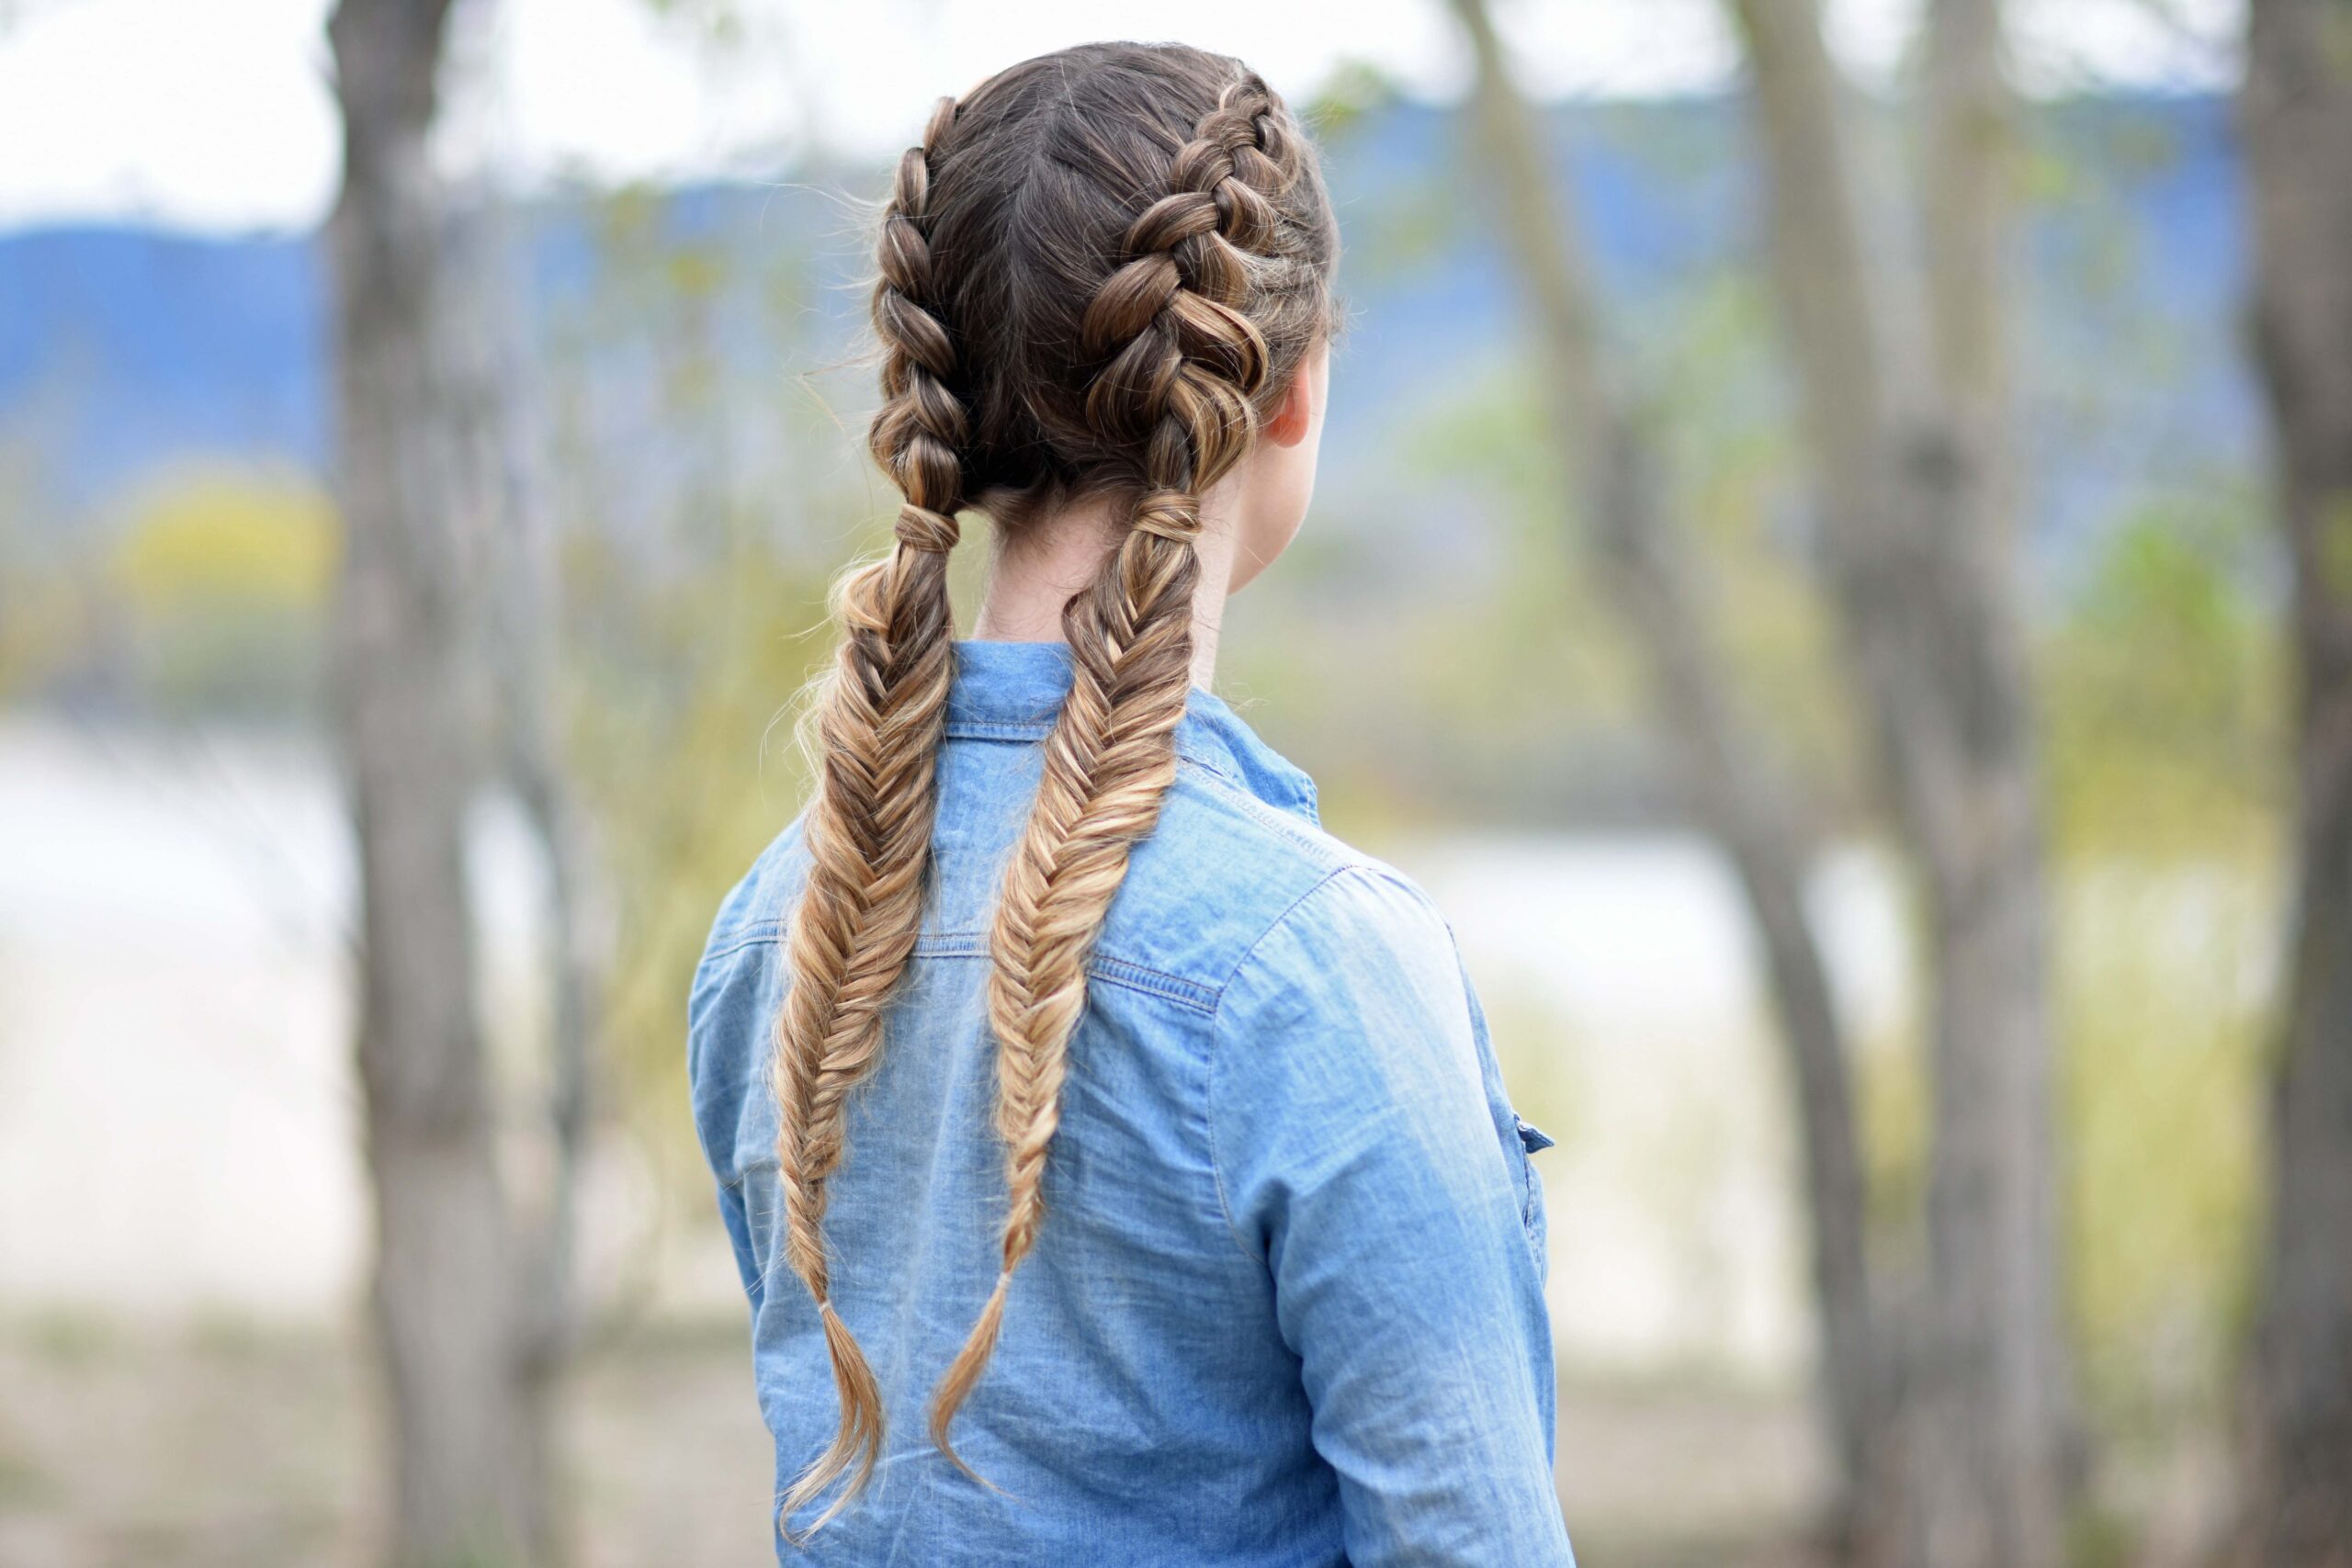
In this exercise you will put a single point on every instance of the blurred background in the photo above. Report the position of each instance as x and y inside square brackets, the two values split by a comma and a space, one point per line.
[1810, 569]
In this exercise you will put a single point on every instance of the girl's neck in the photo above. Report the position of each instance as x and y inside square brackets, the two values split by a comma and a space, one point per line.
[1037, 569]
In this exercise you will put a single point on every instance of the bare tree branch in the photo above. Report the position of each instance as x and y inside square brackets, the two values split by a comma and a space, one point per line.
[1911, 478]
[407, 708]
[1724, 766]
[2297, 110]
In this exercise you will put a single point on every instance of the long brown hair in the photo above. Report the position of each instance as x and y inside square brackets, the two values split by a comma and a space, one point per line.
[1097, 274]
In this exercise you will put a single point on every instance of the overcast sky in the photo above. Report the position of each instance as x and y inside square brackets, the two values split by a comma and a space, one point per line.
[216, 115]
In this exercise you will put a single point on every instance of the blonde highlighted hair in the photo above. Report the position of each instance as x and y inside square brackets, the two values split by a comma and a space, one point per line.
[1097, 273]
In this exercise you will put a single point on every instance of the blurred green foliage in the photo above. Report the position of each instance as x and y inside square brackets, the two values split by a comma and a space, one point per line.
[692, 622]
[2162, 691]
[204, 601]
[665, 779]
[233, 541]
[220, 577]
[2165, 726]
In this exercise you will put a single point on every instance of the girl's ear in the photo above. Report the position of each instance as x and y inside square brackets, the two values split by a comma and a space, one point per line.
[1294, 416]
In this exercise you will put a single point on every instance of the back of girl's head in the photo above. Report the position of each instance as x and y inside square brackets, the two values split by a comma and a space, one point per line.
[1034, 187]
[1098, 273]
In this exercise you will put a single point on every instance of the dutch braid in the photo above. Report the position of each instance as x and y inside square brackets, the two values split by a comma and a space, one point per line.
[1181, 367]
[876, 725]
[1045, 344]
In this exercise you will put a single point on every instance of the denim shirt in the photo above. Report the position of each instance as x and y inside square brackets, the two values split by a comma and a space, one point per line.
[1286, 1306]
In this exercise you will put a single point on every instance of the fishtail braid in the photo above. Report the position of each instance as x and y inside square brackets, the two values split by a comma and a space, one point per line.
[876, 727]
[1181, 367]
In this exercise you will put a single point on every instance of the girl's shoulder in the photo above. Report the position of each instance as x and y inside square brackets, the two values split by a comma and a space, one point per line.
[1224, 869]
[754, 908]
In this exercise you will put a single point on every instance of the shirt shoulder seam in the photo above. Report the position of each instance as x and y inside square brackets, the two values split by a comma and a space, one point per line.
[1216, 1019]
[1265, 812]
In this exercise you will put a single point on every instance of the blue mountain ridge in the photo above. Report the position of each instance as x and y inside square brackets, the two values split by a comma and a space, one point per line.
[124, 350]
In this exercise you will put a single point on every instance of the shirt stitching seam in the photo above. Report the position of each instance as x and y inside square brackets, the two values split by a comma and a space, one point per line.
[1120, 972]
[1268, 814]
[1217, 1165]
[1186, 753]
[998, 728]
[1013, 729]
[1038, 729]
[737, 941]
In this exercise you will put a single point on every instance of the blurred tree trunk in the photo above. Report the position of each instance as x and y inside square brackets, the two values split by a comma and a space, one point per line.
[1724, 768]
[1912, 476]
[443, 1302]
[522, 647]
[2297, 116]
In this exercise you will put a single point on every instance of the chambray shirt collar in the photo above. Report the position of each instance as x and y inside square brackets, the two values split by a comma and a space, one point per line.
[1010, 691]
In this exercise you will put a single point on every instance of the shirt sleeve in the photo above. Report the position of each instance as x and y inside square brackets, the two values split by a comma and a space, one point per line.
[1367, 1154]
[727, 1013]
[739, 1235]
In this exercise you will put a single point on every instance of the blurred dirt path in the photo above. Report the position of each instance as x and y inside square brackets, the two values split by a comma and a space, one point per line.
[222, 1450]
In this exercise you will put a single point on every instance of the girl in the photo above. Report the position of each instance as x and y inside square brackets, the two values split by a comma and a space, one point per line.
[1129, 1149]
